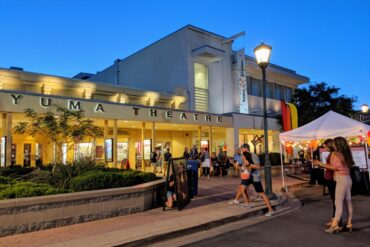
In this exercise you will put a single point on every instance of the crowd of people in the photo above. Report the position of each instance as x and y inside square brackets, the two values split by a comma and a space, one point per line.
[336, 173]
[159, 160]
[211, 164]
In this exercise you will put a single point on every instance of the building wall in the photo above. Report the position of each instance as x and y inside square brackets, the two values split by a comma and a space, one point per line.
[160, 67]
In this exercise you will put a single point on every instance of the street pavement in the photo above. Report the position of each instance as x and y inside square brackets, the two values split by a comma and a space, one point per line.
[303, 227]
[208, 210]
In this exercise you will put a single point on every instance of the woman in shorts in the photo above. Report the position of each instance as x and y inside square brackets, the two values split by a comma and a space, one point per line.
[245, 170]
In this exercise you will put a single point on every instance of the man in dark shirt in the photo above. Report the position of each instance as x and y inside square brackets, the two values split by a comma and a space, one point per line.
[153, 160]
[166, 157]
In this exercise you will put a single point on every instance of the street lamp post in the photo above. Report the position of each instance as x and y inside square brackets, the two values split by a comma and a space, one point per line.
[262, 53]
[365, 108]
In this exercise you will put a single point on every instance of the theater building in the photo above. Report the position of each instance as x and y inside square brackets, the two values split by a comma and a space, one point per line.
[189, 87]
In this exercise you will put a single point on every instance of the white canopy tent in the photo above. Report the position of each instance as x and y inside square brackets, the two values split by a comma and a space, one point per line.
[330, 125]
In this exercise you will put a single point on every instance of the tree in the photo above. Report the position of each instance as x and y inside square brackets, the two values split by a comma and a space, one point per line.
[60, 125]
[318, 99]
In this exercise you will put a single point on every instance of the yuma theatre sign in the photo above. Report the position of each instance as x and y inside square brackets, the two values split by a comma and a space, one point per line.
[109, 110]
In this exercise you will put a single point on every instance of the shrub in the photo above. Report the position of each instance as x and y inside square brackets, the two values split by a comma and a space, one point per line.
[38, 176]
[95, 180]
[27, 189]
[6, 180]
[15, 171]
[145, 177]
[62, 175]
[86, 164]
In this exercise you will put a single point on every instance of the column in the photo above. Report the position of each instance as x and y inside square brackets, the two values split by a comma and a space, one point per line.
[210, 140]
[115, 141]
[232, 137]
[199, 136]
[106, 127]
[142, 145]
[9, 138]
[153, 136]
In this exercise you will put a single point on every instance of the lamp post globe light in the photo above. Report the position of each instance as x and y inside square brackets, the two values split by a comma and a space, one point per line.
[262, 53]
[365, 108]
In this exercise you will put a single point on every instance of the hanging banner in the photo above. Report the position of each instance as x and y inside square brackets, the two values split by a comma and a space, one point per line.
[242, 81]
[293, 115]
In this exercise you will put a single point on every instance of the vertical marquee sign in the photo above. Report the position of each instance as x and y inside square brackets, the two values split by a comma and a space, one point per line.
[242, 81]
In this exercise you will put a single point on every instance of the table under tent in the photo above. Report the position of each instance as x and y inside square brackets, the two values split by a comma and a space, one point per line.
[332, 125]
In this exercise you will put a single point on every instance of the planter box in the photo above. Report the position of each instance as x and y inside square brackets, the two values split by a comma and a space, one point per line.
[43, 212]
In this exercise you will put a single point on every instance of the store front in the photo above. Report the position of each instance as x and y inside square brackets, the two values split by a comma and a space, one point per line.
[130, 132]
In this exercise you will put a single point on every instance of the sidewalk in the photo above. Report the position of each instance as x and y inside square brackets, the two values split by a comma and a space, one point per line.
[208, 210]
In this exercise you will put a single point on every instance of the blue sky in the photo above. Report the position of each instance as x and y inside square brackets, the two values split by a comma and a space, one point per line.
[324, 40]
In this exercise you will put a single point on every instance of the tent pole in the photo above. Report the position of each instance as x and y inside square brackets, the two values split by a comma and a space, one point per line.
[367, 153]
[282, 167]
[367, 165]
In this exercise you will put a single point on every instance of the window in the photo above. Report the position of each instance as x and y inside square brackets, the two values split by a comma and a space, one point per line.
[279, 92]
[201, 87]
[288, 94]
[256, 87]
[269, 90]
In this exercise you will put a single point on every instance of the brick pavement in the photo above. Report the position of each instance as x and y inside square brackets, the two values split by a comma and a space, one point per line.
[209, 206]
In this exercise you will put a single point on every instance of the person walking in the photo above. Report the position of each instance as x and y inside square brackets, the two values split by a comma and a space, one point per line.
[159, 158]
[166, 157]
[206, 163]
[341, 161]
[245, 170]
[256, 176]
[215, 164]
[153, 160]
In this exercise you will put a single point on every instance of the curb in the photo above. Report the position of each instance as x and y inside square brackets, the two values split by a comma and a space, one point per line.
[294, 186]
[282, 203]
[203, 227]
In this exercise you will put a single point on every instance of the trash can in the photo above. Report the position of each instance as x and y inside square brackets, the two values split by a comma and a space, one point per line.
[192, 167]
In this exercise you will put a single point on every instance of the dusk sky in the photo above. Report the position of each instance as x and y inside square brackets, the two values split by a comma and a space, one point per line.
[323, 40]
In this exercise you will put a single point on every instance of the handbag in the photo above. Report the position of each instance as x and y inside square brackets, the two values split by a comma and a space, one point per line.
[356, 174]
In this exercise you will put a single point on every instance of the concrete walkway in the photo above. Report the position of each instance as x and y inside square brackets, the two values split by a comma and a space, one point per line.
[207, 210]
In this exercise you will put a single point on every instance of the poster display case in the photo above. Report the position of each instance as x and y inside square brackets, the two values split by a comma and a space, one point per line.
[108, 147]
[122, 151]
[83, 150]
[2, 151]
[147, 149]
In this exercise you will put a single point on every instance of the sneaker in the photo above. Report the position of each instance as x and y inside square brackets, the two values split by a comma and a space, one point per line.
[270, 213]
[257, 199]
[245, 205]
[234, 202]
